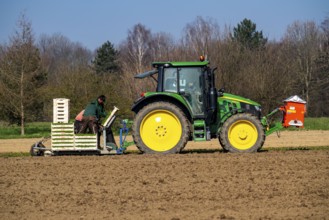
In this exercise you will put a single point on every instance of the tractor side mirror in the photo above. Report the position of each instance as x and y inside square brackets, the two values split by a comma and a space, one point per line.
[221, 92]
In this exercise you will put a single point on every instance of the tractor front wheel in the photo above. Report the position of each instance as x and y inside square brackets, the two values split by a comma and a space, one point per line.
[242, 133]
[160, 127]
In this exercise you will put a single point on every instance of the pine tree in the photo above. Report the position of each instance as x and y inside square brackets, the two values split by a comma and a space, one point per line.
[106, 59]
[245, 33]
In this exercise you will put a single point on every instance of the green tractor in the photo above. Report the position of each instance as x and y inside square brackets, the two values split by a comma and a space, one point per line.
[186, 106]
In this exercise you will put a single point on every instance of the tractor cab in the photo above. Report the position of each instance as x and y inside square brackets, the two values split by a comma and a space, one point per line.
[188, 81]
[191, 81]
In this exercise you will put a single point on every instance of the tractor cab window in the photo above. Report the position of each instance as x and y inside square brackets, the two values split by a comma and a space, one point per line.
[170, 80]
[188, 83]
[190, 87]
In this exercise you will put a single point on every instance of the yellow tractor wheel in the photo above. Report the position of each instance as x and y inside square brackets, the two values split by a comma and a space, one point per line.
[160, 127]
[242, 133]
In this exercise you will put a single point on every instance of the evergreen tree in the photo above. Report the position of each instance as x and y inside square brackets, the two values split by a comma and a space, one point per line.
[245, 33]
[106, 59]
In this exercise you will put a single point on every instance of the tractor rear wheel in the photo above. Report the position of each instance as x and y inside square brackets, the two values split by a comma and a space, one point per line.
[160, 128]
[242, 133]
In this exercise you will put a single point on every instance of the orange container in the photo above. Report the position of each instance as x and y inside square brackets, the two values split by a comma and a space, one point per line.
[294, 111]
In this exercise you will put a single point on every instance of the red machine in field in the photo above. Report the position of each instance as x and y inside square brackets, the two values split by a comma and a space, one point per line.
[294, 110]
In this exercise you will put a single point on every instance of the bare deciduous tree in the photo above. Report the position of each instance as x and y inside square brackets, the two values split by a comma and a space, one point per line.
[304, 39]
[20, 72]
[138, 45]
[57, 51]
[320, 88]
[135, 56]
[199, 35]
[161, 47]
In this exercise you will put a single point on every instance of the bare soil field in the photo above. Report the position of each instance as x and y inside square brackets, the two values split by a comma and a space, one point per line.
[203, 185]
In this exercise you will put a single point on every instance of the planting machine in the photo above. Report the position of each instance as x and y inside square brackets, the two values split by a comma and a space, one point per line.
[64, 139]
[186, 106]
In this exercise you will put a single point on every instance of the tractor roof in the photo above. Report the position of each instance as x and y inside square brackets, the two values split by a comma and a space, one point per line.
[178, 64]
[169, 64]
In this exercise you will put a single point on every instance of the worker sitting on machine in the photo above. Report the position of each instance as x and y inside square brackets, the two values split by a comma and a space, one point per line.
[93, 112]
[78, 122]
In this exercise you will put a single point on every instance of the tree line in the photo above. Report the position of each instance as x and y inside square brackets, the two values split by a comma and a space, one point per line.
[34, 71]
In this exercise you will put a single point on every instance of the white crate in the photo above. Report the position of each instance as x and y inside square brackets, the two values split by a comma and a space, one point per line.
[61, 110]
[64, 139]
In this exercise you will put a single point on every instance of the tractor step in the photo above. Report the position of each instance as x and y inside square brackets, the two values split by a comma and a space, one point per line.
[200, 131]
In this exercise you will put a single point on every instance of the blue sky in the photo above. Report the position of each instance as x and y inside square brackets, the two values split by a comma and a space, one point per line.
[94, 22]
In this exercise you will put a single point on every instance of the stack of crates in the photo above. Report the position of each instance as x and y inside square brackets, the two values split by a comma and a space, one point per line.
[62, 132]
[61, 110]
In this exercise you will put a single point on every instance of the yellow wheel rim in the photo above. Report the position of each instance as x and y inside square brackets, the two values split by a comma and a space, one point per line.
[160, 130]
[242, 135]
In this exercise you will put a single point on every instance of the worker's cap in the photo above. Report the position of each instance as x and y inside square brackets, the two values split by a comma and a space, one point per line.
[102, 97]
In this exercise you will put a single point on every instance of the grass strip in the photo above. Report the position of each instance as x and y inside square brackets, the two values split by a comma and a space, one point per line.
[15, 154]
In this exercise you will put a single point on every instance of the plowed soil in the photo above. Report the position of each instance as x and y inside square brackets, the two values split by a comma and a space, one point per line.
[192, 185]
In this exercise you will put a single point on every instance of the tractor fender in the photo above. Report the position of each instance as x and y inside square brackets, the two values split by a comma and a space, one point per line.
[167, 97]
[234, 112]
